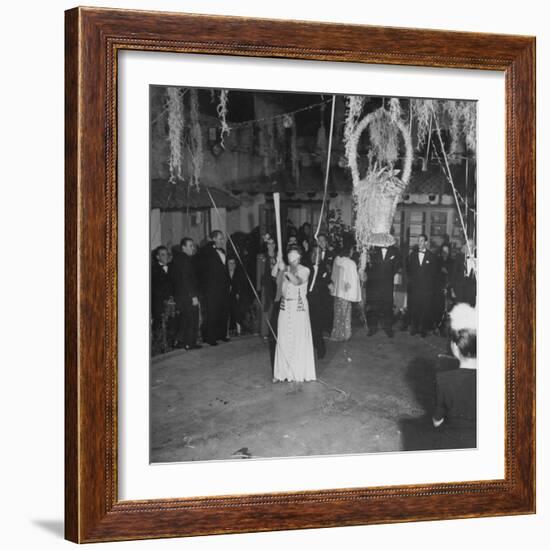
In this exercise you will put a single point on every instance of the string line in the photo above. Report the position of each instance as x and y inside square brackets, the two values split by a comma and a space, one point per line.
[327, 169]
[450, 178]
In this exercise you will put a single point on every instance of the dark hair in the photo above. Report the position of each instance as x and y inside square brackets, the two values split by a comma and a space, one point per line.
[158, 249]
[466, 342]
[346, 250]
[264, 247]
[215, 233]
[295, 248]
[185, 240]
[292, 231]
[423, 235]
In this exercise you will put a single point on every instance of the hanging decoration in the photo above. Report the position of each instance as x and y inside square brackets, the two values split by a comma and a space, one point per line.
[458, 118]
[280, 137]
[195, 138]
[222, 114]
[295, 160]
[354, 106]
[322, 134]
[376, 195]
[175, 134]
[265, 142]
[287, 120]
[421, 111]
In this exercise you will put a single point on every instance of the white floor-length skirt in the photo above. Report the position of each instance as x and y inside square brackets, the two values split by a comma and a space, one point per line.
[294, 357]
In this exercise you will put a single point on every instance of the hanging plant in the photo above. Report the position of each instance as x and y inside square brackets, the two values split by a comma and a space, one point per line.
[175, 133]
[457, 117]
[383, 133]
[322, 133]
[280, 137]
[469, 115]
[294, 152]
[195, 138]
[422, 113]
[273, 144]
[265, 138]
[222, 114]
[354, 106]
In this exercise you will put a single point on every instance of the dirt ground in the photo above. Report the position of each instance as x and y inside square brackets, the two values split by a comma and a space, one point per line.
[372, 394]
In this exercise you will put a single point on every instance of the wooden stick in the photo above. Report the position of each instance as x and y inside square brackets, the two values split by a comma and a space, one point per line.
[277, 205]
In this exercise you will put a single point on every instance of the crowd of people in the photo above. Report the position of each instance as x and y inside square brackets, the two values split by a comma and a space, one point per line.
[209, 294]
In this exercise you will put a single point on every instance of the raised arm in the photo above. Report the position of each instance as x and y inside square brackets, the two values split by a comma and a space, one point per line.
[300, 278]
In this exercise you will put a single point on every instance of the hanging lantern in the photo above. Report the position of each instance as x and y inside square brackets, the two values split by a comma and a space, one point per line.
[288, 121]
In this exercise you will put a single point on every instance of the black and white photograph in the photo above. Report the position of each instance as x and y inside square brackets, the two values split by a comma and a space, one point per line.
[313, 274]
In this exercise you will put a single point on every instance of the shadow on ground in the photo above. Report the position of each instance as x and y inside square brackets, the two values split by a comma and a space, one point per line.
[418, 433]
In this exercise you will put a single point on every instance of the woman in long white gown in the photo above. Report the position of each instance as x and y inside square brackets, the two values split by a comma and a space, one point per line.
[294, 359]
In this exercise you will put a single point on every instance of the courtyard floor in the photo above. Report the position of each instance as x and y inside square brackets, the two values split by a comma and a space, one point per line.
[372, 394]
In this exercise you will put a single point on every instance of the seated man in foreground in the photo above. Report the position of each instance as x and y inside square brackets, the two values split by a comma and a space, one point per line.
[455, 392]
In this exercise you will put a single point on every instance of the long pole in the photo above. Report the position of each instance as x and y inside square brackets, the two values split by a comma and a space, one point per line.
[277, 206]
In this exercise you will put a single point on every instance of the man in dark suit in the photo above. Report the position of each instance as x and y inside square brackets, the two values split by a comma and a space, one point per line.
[216, 286]
[325, 300]
[186, 294]
[237, 292]
[319, 279]
[161, 285]
[455, 389]
[382, 265]
[464, 281]
[421, 285]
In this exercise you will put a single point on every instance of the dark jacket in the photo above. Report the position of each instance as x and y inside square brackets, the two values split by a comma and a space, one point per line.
[380, 272]
[445, 272]
[421, 277]
[161, 288]
[322, 279]
[327, 261]
[213, 275]
[455, 395]
[238, 286]
[464, 284]
[184, 279]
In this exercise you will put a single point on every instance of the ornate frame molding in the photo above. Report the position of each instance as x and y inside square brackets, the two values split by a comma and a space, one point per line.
[93, 39]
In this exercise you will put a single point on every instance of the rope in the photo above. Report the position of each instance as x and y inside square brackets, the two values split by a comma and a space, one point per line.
[327, 169]
[281, 115]
[460, 197]
[450, 178]
[333, 388]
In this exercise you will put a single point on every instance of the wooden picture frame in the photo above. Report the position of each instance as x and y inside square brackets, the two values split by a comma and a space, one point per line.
[93, 39]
